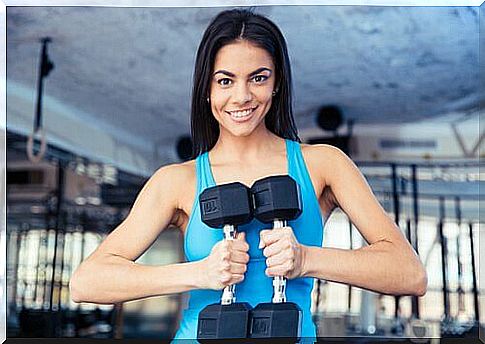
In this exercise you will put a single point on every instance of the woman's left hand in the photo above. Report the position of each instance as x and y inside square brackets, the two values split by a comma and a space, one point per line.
[284, 254]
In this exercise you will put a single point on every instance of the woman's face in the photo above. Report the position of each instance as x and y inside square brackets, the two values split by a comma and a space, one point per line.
[241, 88]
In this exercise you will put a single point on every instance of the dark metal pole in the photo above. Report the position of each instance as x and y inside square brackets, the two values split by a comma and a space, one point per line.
[414, 299]
[58, 224]
[23, 259]
[15, 268]
[415, 206]
[397, 210]
[41, 266]
[118, 331]
[395, 195]
[50, 217]
[40, 86]
[62, 246]
[83, 225]
[414, 241]
[317, 301]
[47, 279]
[460, 291]
[444, 255]
[349, 299]
[41, 271]
[60, 196]
[45, 66]
[474, 273]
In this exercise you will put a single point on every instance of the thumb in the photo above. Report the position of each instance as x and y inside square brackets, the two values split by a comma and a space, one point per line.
[241, 236]
[262, 234]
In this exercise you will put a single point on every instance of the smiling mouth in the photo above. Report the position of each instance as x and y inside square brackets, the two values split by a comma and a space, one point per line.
[242, 113]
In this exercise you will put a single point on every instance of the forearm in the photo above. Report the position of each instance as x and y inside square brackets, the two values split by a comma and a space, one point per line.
[115, 279]
[379, 267]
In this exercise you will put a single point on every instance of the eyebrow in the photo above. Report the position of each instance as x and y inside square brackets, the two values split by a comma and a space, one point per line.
[257, 71]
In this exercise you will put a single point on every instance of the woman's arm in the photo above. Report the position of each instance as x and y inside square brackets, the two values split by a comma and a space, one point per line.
[111, 279]
[388, 264]
[110, 275]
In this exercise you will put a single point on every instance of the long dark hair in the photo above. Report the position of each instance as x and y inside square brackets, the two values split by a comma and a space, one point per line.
[225, 28]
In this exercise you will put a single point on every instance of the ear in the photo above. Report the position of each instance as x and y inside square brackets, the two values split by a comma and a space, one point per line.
[277, 86]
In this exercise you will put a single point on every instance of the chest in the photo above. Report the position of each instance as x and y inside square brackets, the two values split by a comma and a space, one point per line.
[307, 228]
[248, 173]
[245, 174]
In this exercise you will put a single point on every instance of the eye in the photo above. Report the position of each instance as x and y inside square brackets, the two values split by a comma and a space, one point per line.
[224, 81]
[260, 78]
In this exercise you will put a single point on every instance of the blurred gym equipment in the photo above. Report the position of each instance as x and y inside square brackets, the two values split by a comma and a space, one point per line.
[58, 211]
[96, 198]
[425, 195]
[330, 119]
[45, 67]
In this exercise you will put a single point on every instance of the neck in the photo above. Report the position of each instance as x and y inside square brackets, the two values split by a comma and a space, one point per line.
[259, 145]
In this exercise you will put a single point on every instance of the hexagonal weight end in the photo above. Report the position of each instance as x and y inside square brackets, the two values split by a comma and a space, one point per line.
[218, 321]
[227, 204]
[276, 198]
[270, 320]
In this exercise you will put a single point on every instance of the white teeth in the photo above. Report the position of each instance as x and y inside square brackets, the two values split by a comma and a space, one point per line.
[239, 114]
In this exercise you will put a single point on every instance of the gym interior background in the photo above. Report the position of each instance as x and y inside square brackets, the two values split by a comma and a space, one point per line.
[99, 97]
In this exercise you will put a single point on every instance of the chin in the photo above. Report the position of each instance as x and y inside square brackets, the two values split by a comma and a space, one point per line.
[241, 133]
[243, 130]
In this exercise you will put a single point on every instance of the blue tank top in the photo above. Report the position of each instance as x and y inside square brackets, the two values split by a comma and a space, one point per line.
[256, 286]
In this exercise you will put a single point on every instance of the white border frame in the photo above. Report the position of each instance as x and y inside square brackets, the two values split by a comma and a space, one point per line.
[159, 3]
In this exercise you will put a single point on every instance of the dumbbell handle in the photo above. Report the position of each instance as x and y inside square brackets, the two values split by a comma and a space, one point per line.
[279, 282]
[229, 293]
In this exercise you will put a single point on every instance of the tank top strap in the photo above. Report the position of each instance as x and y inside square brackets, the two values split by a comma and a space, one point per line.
[297, 167]
[204, 173]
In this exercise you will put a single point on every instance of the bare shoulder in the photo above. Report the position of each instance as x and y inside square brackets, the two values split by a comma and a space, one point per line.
[324, 159]
[322, 152]
[332, 172]
[176, 172]
[176, 179]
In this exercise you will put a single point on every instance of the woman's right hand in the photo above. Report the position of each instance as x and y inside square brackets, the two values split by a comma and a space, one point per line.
[226, 264]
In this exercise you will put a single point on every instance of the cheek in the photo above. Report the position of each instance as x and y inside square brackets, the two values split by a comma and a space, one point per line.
[218, 100]
[265, 97]
[264, 93]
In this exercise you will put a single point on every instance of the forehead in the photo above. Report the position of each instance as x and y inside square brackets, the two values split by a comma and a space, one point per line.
[241, 57]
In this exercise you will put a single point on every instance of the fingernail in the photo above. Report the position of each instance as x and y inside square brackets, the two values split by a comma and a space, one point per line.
[261, 245]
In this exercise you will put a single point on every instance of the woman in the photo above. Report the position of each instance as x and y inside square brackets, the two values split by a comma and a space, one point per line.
[243, 130]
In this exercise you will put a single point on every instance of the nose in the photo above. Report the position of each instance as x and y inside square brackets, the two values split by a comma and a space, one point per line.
[242, 93]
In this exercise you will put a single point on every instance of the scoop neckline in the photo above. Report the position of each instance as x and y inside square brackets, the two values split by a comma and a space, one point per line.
[211, 175]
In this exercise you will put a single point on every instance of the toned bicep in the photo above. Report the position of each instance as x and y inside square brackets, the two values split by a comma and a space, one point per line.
[151, 213]
[354, 196]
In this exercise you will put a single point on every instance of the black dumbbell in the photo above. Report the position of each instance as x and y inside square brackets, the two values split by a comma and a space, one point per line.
[225, 206]
[276, 200]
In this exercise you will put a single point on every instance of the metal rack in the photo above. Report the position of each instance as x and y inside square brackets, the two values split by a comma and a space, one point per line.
[441, 199]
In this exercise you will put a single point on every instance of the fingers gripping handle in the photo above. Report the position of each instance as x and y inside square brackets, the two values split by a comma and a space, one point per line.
[279, 282]
[229, 292]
